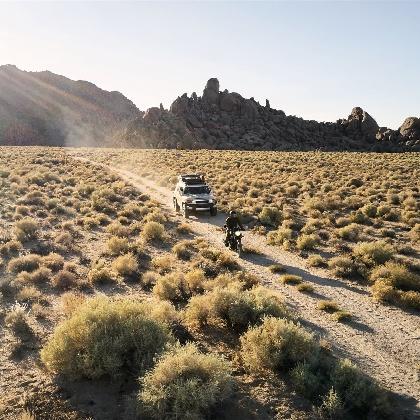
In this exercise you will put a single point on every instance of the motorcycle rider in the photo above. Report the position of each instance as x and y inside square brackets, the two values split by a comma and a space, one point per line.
[232, 224]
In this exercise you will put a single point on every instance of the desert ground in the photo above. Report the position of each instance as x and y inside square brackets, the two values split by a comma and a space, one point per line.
[115, 306]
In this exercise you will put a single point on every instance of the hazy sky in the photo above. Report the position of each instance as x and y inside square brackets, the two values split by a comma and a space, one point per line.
[312, 59]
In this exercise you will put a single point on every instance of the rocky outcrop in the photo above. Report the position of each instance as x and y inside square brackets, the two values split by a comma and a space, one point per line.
[48, 109]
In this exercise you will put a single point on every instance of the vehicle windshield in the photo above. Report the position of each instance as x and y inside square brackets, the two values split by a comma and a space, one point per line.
[202, 189]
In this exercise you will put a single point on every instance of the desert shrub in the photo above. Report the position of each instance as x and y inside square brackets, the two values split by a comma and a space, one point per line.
[280, 236]
[64, 279]
[331, 407]
[10, 247]
[27, 263]
[28, 294]
[241, 279]
[415, 233]
[356, 390]
[305, 288]
[70, 301]
[172, 287]
[184, 249]
[290, 279]
[185, 384]
[184, 228]
[410, 299]
[343, 266]
[232, 307]
[105, 337]
[126, 265]
[53, 261]
[359, 217]
[307, 241]
[100, 273]
[383, 292]
[369, 210]
[195, 280]
[118, 229]
[350, 232]
[163, 263]
[396, 275]
[277, 344]
[26, 229]
[277, 268]
[149, 278]
[271, 216]
[327, 306]
[117, 245]
[17, 319]
[373, 253]
[38, 276]
[153, 231]
[316, 261]
[342, 221]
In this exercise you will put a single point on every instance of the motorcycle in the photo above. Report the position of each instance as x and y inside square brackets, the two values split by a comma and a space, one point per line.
[234, 241]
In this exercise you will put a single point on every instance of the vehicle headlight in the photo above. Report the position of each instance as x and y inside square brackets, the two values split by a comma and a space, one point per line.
[211, 201]
[189, 200]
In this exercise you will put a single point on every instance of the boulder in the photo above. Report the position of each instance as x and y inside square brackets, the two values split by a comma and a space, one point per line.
[410, 128]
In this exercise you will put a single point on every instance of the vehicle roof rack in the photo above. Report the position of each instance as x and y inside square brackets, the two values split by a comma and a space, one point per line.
[192, 179]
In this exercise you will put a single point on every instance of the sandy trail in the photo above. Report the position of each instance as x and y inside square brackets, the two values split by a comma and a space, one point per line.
[383, 341]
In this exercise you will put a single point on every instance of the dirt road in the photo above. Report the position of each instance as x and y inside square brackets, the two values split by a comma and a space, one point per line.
[383, 341]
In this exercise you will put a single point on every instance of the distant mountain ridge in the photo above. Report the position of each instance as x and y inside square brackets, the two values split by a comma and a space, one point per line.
[42, 108]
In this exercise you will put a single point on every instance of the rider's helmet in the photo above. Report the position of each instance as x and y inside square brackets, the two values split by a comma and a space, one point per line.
[232, 213]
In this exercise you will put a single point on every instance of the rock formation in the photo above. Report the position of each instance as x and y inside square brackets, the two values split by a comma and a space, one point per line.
[47, 109]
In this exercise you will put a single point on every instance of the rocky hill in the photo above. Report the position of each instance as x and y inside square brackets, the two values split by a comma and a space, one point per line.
[226, 120]
[42, 108]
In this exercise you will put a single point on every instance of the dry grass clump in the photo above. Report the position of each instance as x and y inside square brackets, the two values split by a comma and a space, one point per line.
[163, 263]
[373, 253]
[277, 268]
[328, 306]
[349, 232]
[105, 337]
[233, 307]
[17, 319]
[343, 266]
[117, 245]
[394, 283]
[179, 287]
[316, 261]
[126, 265]
[27, 263]
[28, 294]
[100, 273]
[117, 229]
[64, 280]
[26, 229]
[184, 249]
[70, 301]
[270, 216]
[305, 288]
[183, 228]
[153, 231]
[10, 247]
[342, 315]
[185, 384]
[277, 344]
[53, 261]
[290, 279]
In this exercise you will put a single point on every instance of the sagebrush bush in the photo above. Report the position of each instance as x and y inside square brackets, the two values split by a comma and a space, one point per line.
[27, 263]
[343, 266]
[271, 216]
[105, 337]
[234, 307]
[307, 241]
[373, 253]
[153, 231]
[185, 384]
[53, 261]
[117, 245]
[277, 344]
[64, 280]
[316, 261]
[26, 229]
[126, 265]
[396, 275]
[290, 279]
[100, 273]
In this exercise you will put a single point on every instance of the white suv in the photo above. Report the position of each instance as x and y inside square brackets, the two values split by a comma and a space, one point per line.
[193, 194]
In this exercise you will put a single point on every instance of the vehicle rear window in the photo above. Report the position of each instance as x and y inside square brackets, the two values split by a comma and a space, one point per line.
[203, 189]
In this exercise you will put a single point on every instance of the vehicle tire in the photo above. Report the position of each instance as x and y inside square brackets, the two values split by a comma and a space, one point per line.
[185, 211]
[239, 249]
[213, 211]
[176, 206]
